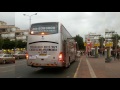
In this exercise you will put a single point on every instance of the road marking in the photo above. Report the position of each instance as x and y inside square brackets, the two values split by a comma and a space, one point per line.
[75, 75]
[92, 73]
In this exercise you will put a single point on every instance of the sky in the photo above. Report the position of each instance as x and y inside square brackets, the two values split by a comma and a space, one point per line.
[76, 23]
[8, 17]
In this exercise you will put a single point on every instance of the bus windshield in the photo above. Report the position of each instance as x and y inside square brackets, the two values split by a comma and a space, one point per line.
[49, 28]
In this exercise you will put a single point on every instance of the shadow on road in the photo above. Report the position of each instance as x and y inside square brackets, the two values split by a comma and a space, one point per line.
[50, 70]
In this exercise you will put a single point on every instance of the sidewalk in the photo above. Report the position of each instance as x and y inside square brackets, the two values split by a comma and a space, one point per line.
[91, 67]
[98, 65]
[113, 69]
[83, 70]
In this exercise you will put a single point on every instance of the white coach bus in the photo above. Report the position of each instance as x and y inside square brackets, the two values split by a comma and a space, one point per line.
[50, 45]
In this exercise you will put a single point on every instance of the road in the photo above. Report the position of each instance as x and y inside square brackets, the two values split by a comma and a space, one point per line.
[7, 70]
[21, 70]
[83, 67]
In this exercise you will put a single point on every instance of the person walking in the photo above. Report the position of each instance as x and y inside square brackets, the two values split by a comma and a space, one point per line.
[118, 55]
[114, 55]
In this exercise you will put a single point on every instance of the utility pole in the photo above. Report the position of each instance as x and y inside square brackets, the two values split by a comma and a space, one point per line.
[116, 43]
[29, 18]
[15, 43]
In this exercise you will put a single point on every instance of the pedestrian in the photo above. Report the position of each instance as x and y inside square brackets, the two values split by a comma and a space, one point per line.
[114, 55]
[118, 55]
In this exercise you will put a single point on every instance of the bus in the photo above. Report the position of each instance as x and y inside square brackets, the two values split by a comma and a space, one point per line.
[49, 44]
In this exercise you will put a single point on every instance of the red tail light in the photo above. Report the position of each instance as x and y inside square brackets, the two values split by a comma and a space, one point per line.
[61, 57]
[27, 56]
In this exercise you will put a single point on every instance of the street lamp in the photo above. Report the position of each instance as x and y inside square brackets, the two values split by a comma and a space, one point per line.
[30, 18]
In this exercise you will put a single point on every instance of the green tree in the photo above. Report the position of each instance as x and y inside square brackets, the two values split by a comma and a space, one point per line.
[1, 43]
[80, 42]
[21, 44]
[115, 38]
[8, 44]
[101, 40]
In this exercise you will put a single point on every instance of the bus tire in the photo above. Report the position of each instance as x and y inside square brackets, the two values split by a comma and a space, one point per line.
[67, 65]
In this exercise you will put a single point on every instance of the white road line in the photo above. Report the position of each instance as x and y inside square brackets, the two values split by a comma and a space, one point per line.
[92, 73]
[75, 75]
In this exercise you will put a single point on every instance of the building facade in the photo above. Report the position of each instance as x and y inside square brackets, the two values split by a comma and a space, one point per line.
[12, 32]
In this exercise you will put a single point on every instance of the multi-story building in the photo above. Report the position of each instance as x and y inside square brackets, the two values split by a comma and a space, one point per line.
[109, 35]
[93, 37]
[12, 32]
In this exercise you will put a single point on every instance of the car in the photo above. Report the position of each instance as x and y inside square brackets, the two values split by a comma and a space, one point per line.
[20, 55]
[7, 58]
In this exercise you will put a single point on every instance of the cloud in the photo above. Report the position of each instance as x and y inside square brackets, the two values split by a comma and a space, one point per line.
[75, 22]
[8, 17]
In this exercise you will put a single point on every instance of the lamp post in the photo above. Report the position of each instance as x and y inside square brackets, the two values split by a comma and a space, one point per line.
[29, 18]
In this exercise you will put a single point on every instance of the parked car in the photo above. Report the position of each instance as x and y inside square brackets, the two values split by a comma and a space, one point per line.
[7, 58]
[20, 55]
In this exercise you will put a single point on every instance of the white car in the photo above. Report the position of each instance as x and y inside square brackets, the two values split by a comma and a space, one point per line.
[20, 55]
[7, 58]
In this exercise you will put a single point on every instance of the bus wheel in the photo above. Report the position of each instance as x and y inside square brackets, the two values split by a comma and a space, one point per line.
[68, 65]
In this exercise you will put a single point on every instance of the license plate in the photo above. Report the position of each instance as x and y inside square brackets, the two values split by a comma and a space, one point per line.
[42, 54]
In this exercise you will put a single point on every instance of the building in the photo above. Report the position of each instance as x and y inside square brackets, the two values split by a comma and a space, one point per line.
[91, 40]
[93, 37]
[109, 35]
[12, 32]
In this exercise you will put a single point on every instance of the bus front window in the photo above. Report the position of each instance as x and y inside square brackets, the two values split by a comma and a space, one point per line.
[44, 29]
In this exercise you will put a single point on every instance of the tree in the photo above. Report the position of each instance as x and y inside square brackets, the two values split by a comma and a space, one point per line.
[101, 40]
[8, 44]
[80, 42]
[21, 44]
[115, 38]
[1, 42]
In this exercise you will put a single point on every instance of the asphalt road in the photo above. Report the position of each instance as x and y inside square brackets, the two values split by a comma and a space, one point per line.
[21, 70]
[81, 68]
[7, 70]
